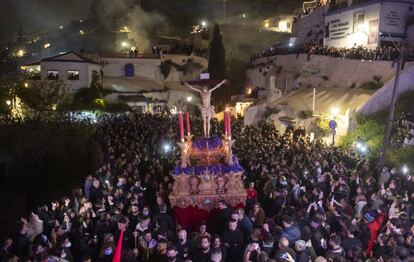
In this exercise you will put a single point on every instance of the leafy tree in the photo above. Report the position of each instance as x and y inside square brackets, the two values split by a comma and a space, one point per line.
[96, 82]
[9, 79]
[43, 95]
[217, 66]
[86, 95]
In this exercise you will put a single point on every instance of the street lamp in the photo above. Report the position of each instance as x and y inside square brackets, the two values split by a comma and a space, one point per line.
[405, 169]
[334, 111]
[362, 148]
[203, 23]
[167, 148]
[189, 98]
[8, 102]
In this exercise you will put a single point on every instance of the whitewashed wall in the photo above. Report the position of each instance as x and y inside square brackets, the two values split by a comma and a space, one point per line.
[85, 73]
[381, 99]
[341, 72]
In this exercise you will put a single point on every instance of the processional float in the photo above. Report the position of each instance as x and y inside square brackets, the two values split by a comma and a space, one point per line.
[208, 170]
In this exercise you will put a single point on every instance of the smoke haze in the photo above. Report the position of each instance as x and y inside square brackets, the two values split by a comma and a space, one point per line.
[127, 13]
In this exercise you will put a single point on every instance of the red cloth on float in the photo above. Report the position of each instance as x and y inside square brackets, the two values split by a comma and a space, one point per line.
[190, 217]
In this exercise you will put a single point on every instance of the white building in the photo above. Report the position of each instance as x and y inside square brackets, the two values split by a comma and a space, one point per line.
[281, 23]
[368, 23]
[72, 68]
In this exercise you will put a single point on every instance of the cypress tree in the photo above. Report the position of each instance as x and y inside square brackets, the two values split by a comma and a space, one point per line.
[217, 56]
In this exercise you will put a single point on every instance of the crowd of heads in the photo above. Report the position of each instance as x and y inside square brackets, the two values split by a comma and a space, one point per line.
[305, 202]
[405, 130]
[356, 52]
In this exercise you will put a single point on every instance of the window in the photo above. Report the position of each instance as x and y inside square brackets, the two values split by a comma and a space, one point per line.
[52, 75]
[359, 20]
[73, 75]
[129, 70]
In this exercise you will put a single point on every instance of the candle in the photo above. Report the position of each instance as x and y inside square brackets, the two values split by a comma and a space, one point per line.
[225, 122]
[180, 121]
[187, 120]
[229, 124]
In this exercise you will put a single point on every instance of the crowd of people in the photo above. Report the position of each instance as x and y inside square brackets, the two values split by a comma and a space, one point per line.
[357, 52]
[305, 202]
[405, 130]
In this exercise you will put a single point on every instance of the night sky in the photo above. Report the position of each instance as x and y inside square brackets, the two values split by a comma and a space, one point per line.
[38, 14]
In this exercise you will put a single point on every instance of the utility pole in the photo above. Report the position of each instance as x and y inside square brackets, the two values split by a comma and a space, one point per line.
[390, 118]
[313, 101]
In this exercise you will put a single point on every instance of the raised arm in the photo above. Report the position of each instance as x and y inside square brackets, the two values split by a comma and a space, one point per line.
[191, 87]
[218, 85]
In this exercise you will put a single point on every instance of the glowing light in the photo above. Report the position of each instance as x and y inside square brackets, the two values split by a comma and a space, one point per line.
[8, 102]
[20, 53]
[405, 169]
[100, 101]
[47, 45]
[124, 44]
[125, 29]
[81, 32]
[283, 26]
[267, 25]
[81, 21]
[61, 27]
[167, 148]
[203, 23]
[26, 85]
[54, 106]
[334, 111]
[189, 98]
[249, 91]
[244, 15]
[291, 44]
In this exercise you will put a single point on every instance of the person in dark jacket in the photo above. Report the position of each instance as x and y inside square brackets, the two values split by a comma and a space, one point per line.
[291, 231]
[233, 240]
[183, 245]
[303, 254]
[223, 216]
[164, 220]
[350, 240]
[21, 244]
[5, 251]
[95, 193]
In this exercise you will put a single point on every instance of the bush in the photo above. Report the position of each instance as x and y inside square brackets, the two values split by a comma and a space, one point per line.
[370, 85]
[353, 85]
[165, 67]
[400, 156]
[117, 107]
[304, 114]
[279, 69]
[369, 130]
[189, 67]
[86, 95]
[270, 111]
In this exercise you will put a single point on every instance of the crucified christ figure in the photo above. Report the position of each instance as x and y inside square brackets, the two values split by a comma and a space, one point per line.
[207, 110]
